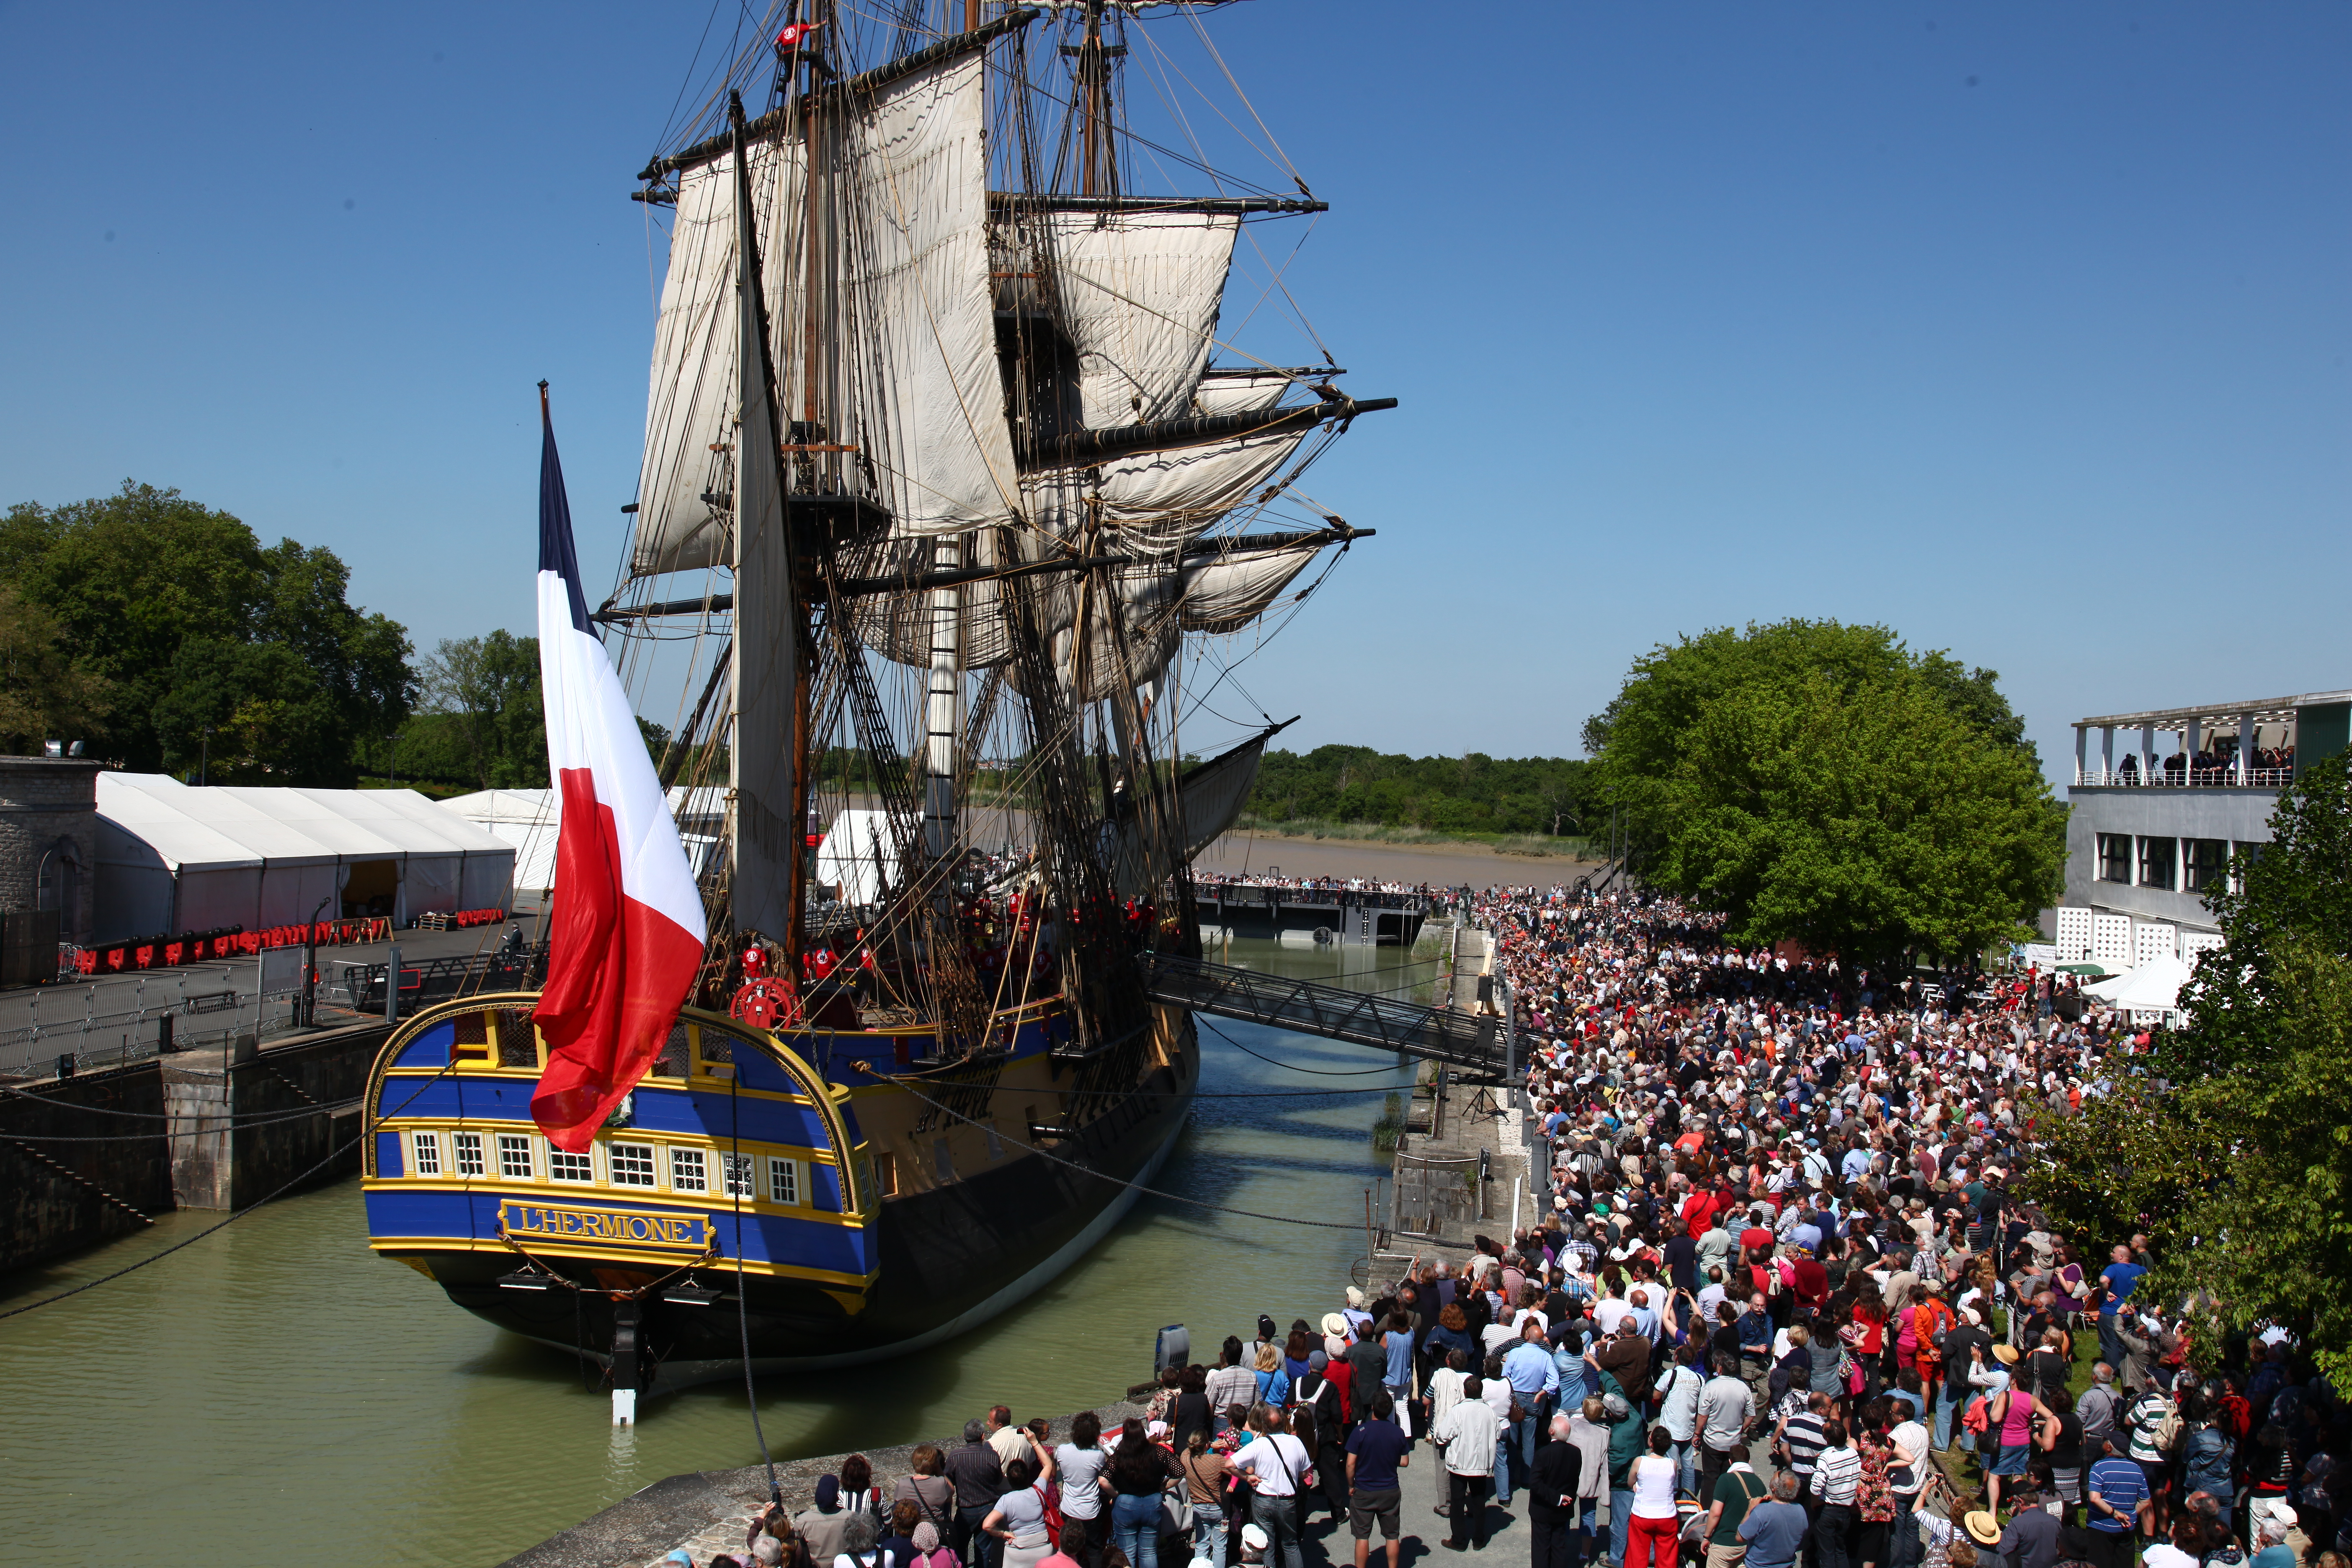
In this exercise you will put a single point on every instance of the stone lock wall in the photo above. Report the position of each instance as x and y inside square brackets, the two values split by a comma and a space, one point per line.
[48, 803]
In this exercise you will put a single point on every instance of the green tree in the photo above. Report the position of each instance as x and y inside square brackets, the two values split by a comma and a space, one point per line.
[211, 642]
[43, 695]
[2243, 1172]
[487, 690]
[1819, 782]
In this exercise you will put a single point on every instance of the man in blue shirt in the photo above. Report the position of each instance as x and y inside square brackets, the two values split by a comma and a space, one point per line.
[2118, 1277]
[1775, 1530]
[1535, 1382]
[2118, 1509]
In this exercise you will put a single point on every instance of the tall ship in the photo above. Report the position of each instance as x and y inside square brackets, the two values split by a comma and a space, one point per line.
[957, 506]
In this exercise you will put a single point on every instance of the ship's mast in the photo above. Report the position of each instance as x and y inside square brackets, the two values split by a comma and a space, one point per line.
[1098, 164]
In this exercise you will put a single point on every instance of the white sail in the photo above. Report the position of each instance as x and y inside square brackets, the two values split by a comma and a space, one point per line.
[1226, 593]
[920, 326]
[692, 400]
[1157, 504]
[1139, 294]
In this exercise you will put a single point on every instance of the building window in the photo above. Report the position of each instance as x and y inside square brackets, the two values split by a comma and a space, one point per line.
[469, 1153]
[886, 1175]
[688, 1173]
[2155, 862]
[514, 1157]
[783, 1182]
[564, 1167]
[739, 1175]
[633, 1164]
[2115, 857]
[2208, 860]
[427, 1158]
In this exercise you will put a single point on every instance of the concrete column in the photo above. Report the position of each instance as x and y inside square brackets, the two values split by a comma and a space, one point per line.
[2082, 748]
[2246, 748]
[2192, 741]
[2146, 751]
[2107, 752]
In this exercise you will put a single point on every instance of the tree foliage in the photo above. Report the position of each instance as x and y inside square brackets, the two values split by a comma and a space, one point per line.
[483, 723]
[1819, 782]
[1473, 793]
[44, 694]
[2244, 1171]
[209, 641]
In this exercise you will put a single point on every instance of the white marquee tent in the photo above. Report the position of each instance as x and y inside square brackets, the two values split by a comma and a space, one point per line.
[532, 819]
[2151, 987]
[174, 858]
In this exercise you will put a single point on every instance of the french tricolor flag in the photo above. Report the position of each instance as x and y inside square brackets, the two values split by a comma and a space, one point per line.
[627, 933]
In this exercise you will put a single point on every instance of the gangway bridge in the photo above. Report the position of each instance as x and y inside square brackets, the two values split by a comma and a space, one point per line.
[1461, 1039]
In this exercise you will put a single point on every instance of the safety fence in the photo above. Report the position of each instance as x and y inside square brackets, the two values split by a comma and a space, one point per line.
[235, 941]
[199, 1010]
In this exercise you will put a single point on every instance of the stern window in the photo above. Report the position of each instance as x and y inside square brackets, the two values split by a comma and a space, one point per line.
[783, 1182]
[427, 1157]
[688, 1173]
[514, 1157]
[469, 1153]
[564, 1167]
[633, 1164]
[738, 1168]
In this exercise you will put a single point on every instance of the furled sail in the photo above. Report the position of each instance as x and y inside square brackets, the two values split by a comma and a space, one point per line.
[766, 840]
[928, 410]
[1226, 593]
[1250, 394]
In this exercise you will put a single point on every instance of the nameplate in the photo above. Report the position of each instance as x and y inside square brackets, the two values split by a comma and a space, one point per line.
[687, 1233]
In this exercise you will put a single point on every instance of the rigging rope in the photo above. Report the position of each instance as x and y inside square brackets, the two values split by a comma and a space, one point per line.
[1320, 1072]
[739, 1179]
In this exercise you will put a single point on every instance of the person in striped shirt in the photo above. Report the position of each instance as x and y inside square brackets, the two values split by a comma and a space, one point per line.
[1798, 1442]
[1837, 1478]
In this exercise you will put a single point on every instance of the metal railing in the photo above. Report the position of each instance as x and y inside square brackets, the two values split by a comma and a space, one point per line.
[1436, 1034]
[2160, 777]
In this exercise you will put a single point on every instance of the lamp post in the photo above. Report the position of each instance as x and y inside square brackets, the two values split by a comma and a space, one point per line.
[310, 964]
[204, 758]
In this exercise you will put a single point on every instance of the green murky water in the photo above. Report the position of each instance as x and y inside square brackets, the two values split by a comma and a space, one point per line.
[275, 1395]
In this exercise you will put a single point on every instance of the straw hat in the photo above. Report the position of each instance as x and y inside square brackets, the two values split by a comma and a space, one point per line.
[1982, 1527]
[2007, 1354]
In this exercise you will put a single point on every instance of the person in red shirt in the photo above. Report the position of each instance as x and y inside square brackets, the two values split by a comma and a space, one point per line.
[1699, 1209]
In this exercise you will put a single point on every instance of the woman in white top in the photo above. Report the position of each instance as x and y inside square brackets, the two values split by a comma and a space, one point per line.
[1652, 1540]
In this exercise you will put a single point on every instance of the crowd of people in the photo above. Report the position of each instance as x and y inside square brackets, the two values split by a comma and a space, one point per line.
[1784, 1307]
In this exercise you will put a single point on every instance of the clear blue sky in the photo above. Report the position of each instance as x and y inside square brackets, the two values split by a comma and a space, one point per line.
[2022, 328]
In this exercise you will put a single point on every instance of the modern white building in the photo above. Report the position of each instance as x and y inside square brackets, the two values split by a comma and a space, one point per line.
[2162, 801]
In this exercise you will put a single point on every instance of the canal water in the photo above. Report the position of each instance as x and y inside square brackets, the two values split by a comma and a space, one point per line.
[275, 1395]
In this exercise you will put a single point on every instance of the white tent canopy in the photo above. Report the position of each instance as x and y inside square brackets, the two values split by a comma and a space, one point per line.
[174, 858]
[532, 819]
[2153, 987]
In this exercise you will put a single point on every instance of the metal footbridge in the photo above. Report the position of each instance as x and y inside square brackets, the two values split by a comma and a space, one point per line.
[1459, 1038]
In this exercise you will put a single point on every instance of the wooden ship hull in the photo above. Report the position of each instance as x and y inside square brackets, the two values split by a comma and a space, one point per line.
[863, 1219]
